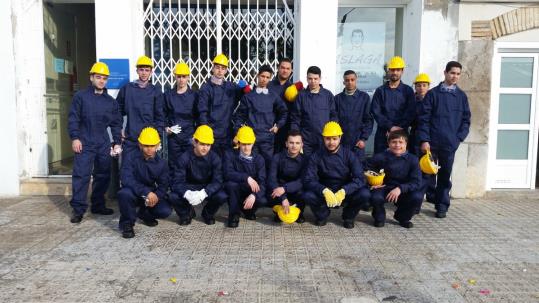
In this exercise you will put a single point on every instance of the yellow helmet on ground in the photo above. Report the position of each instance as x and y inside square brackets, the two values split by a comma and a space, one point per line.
[182, 68]
[246, 135]
[427, 164]
[100, 68]
[422, 78]
[221, 59]
[204, 134]
[291, 217]
[374, 178]
[144, 61]
[149, 136]
[396, 62]
[332, 129]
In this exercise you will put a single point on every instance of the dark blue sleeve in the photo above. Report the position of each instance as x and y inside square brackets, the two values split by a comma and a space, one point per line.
[295, 114]
[376, 162]
[116, 124]
[377, 112]
[241, 114]
[261, 177]
[159, 116]
[423, 121]
[121, 100]
[129, 180]
[230, 173]
[217, 178]
[204, 96]
[414, 177]
[356, 170]
[410, 112]
[179, 182]
[311, 180]
[273, 173]
[281, 112]
[75, 115]
[163, 181]
[333, 115]
[168, 110]
[464, 128]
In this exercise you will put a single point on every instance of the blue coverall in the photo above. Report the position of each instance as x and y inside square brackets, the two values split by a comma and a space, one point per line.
[143, 108]
[444, 122]
[335, 171]
[180, 109]
[275, 87]
[195, 173]
[140, 177]
[89, 117]
[400, 171]
[261, 111]
[216, 103]
[237, 170]
[355, 119]
[311, 111]
[287, 172]
[391, 107]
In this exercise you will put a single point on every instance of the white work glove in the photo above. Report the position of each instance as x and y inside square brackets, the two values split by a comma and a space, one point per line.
[176, 129]
[199, 196]
[190, 196]
[116, 151]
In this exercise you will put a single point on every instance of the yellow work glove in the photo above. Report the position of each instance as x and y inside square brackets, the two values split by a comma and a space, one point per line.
[331, 200]
[340, 195]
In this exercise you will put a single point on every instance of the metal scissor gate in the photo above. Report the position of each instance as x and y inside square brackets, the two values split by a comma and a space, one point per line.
[249, 32]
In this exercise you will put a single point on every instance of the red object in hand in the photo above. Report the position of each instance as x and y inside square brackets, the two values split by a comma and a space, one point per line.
[299, 85]
[247, 89]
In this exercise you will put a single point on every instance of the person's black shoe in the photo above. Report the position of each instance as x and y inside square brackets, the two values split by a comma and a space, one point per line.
[321, 222]
[150, 222]
[75, 218]
[250, 216]
[209, 221]
[103, 211]
[233, 221]
[379, 224]
[348, 224]
[193, 214]
[301, 219]
[406, 224]
[185, 221]
[440, 214]
[128, 231]
[276, 218]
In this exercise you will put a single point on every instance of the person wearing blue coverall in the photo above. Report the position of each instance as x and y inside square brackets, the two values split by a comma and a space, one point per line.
[444, 122]
[245, 178]
[264, 111]
[142, 103]
[285, 184]
[217, 100]
[145, 181]
[277, 86]
[181, 115]
[393, 105]
[402, 181]
[198, 177]
[92, 111]
[334, 177]
[313, 108]
[354, 117]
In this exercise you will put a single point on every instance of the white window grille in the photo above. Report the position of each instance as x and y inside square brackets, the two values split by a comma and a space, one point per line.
[249, 32]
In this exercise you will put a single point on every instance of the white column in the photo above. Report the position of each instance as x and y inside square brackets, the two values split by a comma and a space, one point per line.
[316, 39]
[411, 40]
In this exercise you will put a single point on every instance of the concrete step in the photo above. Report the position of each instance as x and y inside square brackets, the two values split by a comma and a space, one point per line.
[57, 186]
[529, 194]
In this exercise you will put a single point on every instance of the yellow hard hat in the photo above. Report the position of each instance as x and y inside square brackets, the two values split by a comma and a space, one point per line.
[291, 93]
[144, 61]
[246, 135]
[374, 178]
[149, 136]
[100, 68]
[182, 68]
[396, 62]
[291, 217]
[332, 129]
[427, 164]
[221, 59]
[204, 134]
[422, 78]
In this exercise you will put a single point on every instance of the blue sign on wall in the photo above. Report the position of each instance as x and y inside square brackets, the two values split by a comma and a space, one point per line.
[119, 72]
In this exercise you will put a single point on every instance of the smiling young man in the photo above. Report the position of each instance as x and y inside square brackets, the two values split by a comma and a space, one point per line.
[92, 111]
[443, 123]
[277, 86]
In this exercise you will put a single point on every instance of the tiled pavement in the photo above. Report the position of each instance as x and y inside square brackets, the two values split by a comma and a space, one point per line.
[486, 250]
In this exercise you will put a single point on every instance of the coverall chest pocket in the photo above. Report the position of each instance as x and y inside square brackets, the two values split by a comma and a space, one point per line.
[263, 107]
[147, 109]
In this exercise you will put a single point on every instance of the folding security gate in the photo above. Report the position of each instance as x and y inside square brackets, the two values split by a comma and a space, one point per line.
[249, 32]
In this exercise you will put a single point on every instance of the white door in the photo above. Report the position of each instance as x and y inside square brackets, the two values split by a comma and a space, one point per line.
[513, 133]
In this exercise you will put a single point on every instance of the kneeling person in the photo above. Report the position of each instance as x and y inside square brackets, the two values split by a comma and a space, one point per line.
[245, 176]
[198, 177]
[284, 179]
[145, 181]
[335, 176]
[402, 182]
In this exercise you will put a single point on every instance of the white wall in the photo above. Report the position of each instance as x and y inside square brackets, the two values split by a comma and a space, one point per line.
[412, 35]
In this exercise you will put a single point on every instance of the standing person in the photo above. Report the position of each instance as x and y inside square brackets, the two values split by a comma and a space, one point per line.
[334, 176]
[142, 103]
[393, 105]
[145, 181]
[285, 185]
[198, 177]
[444, 122]
[353, 110]
[264, 111]
[402, 181]
[313, 108]
[245, 176]
[277, 86]
[92, 111]
[217, 99]
[181, 114]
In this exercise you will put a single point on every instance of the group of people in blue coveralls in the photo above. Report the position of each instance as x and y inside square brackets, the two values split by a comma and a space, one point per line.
[268, 145]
